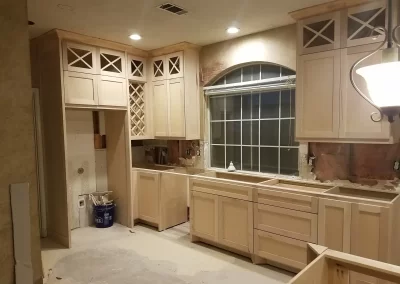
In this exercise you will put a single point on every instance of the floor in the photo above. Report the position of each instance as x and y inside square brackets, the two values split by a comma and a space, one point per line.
[143, 255]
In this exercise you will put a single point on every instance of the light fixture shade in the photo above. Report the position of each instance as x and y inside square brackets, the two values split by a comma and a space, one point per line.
[383, 82]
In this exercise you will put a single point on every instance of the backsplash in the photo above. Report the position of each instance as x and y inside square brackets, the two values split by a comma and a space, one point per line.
[359, 163]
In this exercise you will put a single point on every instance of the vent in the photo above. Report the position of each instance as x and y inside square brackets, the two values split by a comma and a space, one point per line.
[173, 9]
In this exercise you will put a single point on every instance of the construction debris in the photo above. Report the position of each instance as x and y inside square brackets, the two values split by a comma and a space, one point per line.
[101, 198]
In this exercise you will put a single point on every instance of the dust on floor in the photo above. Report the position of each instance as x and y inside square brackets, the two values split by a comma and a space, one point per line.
[120, 255]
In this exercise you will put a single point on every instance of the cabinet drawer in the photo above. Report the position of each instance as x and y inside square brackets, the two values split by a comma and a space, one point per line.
[286, 222]
[288, 200]
[280, 249]
[232, 190]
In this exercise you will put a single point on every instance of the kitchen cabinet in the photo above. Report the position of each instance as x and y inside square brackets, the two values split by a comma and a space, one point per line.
[137, 68]
[355, 121]
[175, 88]
[79, 58]
[80, 88]
[357, 24]
[317, 101]
[235, 223]
[140, 111]
[148, 184]
[204, 216]
[320, 33]
[334, 224]
[112, 91]
[112, 63]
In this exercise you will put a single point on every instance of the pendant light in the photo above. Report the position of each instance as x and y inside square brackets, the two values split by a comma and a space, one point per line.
[383, 79]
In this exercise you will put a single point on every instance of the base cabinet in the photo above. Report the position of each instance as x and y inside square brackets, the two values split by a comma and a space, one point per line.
[148, 196]
[223, 220]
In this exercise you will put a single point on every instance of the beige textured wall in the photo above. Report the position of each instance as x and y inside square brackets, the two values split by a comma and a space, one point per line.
[275, 46]
[17, 152]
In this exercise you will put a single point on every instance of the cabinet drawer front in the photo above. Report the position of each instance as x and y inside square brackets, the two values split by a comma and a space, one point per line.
[285, 222]
[203, 215]
[223, 189]
[287, 200]
[280, 249]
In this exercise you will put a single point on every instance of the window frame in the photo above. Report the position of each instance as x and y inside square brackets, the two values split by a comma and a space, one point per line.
[278, 84]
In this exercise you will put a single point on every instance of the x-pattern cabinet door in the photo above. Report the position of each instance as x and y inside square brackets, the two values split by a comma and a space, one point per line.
[136, 68]
[79, 58]
[358, 24]
[158, 68]
[319, 33]
[174, 66]
[112, 63]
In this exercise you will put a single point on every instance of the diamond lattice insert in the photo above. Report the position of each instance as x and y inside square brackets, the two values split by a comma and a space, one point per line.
[137, 68]
[110, 63]
[79, 58]
[158, 68]
[174, 66]
[319, 33]
[137, 104]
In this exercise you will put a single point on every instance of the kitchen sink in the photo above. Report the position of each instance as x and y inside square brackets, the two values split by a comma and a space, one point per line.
[297, 185]
[362, 193]
[235, 177]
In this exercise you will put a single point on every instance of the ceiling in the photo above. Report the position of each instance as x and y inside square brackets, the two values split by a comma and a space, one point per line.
[205, 23]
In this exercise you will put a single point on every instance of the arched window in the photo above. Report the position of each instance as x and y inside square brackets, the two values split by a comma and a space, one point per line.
[252, 119]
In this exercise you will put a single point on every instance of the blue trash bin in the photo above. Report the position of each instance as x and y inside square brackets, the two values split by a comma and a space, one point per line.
[104, 215]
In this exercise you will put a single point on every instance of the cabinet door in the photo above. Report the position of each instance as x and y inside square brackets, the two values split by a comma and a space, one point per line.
[136, 68]
[320, 33]
[160, 108]
[358, 23]
[356, 121]
[235, 223]
[334, 224]
[204, 215]
[285, 222]
[174, 65]
[176, 107]
[318, 90]
[79, 58]
[80, 88]
[112, 63]
[139, 111]
[112, 91]
[369, 236]
[159, 72]
[148, 196]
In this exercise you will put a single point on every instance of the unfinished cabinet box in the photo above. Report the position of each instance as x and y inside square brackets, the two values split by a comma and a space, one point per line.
[286, 222]
[334, 224]
[235, 223]
[358, 22]
[282, 250]
[204, 215]
[176, 95]
[80, 88]
[320, 33]
[79, 58]
[318, 88]
[148, 187]
[137, 68]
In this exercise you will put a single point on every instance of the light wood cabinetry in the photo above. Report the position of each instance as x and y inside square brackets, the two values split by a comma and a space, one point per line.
[79, 58]
[148, 187]
[318, 89]
[334, 224]
[176, 95]
[140, 103]
[286, 222]
[203, 215]
[320, 33]
[137, 68]
[112, 63]
[80, 88]
[235, 223]
[282, 250]
[112, 91]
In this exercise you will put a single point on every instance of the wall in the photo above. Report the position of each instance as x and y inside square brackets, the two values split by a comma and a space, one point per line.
[275, 46]
[17, 152]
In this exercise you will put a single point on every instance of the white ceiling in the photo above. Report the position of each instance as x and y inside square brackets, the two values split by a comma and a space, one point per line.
[205, 23]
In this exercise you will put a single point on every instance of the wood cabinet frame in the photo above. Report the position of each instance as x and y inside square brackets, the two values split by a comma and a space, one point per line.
[70, 95]
[91, 50]
[130, 72]
[120, 56]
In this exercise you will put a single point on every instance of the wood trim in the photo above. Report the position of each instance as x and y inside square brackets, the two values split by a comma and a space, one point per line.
[173, 48]
[326, 8]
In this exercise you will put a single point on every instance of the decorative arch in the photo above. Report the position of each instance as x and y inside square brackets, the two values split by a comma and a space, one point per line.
[254, 71]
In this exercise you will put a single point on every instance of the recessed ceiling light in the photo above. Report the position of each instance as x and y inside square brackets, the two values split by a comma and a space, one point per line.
[135, 37]
[232, 30]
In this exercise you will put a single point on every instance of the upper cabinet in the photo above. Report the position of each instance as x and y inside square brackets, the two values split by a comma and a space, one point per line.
[175, 88]
[136, 68]
[139, 106]
[112, 63]
[79, 58]
[319, 33]
[358, 24]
